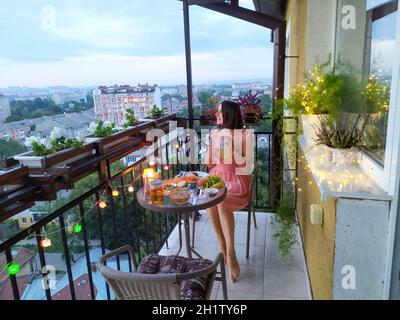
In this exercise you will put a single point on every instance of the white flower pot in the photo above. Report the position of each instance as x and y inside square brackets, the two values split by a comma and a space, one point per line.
[343, 157]
[310, 123]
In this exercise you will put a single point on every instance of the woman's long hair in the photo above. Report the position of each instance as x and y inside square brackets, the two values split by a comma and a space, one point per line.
[231, 115]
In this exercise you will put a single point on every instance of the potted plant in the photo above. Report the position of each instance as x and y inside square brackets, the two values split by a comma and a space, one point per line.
[106, 134]
[250, 105]
[59, 150]
[341, 139]
[156, 112]
[131, 120]
[207, 117]
[328, 92]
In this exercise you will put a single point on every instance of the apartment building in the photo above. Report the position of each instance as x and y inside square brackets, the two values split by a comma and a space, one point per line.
[111, 102]
[5, 111]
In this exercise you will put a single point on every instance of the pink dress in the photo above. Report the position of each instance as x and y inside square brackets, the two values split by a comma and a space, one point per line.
[238, 186]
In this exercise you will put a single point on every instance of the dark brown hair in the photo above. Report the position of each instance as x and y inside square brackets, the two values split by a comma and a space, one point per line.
[231, 115]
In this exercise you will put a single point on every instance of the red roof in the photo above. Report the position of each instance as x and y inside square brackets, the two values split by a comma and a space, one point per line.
[82, 290]
[6, 292]
[23, 256]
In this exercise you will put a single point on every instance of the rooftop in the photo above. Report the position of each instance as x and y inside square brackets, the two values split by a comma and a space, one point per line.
[140, 88]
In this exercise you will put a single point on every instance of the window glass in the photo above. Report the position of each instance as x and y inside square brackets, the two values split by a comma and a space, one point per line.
[381, 48]
[368, 47]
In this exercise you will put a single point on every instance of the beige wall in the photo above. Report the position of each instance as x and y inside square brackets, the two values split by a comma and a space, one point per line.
[318, 241]
[350, 43]
[296, 16]
[320, 34]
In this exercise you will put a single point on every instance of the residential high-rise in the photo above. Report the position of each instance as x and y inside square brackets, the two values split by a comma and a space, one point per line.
[110, 103]
[5, 111]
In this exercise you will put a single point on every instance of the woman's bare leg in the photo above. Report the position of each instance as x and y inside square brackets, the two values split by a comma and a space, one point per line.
[228, 227]
[216, 223]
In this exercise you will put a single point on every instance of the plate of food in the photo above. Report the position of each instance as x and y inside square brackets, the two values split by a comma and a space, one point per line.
[198, 174]
[211, 182]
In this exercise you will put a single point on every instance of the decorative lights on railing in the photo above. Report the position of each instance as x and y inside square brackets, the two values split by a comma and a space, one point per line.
[102, 204]
[149, 174]
[115, 193]
[13, 268]
[77, 228]
[46, 242]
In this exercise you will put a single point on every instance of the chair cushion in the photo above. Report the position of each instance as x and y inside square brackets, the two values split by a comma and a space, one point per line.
[193, 289]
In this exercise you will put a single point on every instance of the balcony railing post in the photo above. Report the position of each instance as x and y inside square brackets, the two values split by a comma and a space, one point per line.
[87, 252]
[42, 263]
[67, 257]
[101, 231]
[186, 24]
[13, 278]
[279, 39]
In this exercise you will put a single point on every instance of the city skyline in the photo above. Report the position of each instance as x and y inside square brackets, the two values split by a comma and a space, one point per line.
[71, 43]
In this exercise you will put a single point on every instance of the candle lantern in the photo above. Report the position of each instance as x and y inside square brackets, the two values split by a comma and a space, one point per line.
[148, 176]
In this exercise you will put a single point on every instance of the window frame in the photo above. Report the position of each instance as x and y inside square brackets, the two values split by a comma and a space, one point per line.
[385, 175]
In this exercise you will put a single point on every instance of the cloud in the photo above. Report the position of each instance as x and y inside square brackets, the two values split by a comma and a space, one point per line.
[124, 69]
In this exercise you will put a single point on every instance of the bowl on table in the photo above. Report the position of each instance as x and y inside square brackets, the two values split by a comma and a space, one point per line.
[180, 197]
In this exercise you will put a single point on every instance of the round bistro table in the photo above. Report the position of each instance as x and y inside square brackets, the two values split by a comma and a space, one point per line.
[195, 204]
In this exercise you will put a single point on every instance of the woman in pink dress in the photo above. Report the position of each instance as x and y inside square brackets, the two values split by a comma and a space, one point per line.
[228, 157]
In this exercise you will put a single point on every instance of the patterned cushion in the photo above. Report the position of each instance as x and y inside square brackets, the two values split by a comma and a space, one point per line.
[193, 289]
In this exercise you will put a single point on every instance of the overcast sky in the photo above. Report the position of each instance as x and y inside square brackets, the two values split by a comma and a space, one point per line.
[95, 42]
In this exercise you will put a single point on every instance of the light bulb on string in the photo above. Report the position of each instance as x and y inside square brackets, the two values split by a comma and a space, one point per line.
[77, 228]
[46, 242]
[13, 268]
[102, 204]
[131, 189]
[115, 193]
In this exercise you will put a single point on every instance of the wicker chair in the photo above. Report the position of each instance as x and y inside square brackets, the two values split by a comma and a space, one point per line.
[165, 286]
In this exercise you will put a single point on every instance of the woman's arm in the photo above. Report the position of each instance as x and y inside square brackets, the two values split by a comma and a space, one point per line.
[244, 151]
[208, 156]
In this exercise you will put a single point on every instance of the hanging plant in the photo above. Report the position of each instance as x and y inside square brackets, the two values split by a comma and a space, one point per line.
[286, 234]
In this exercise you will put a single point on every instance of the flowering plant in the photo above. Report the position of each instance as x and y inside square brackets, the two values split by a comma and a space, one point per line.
[250, 105]
[58, 142]
[102, 129]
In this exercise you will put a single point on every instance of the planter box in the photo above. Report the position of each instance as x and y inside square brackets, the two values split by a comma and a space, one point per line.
[64, 157]
[343, 157]
[119, 139]
[252, 115]
[208, 118]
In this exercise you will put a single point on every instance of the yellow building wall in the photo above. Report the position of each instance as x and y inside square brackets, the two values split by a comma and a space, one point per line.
[318, 241]
[296, 16]
[23, 225]
[311, 30]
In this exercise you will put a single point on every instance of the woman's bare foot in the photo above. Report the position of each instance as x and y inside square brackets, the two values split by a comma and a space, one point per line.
[234, 269]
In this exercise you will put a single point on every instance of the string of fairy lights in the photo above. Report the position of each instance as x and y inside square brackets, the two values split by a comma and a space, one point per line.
[13, 268]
